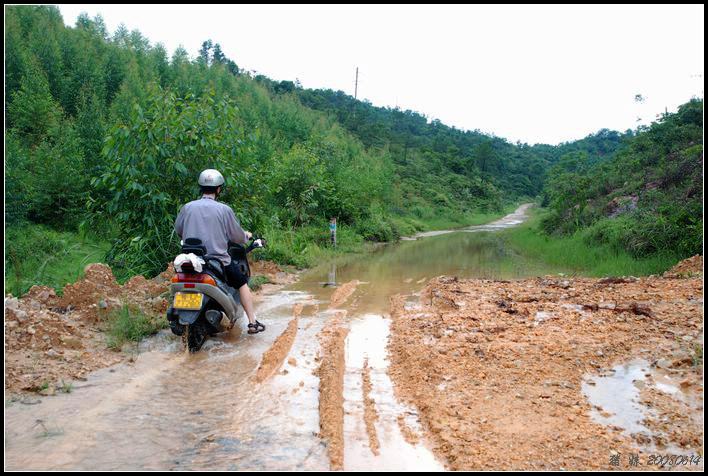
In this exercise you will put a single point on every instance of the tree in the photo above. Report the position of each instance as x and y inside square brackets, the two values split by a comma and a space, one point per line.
[155, 157]
[120, 37]
[91, 129]
[218, 56]
[58, 182]
[15, 53]
[204, 55]
[158, 64]
[114, 70]
[43, 42]
[485, 156]
[232, 67]
[131, 92]
[95, 27]
[33, 112]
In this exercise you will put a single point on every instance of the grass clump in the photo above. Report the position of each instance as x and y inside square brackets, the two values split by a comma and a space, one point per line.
[130, 324]
[66, 387]
[257, 282]
[582, 255]
[306, 246]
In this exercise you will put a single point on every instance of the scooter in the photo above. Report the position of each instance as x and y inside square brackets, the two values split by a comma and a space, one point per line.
[201, 300]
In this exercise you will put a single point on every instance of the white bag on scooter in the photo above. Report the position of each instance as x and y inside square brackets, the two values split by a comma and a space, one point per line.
[195, 260]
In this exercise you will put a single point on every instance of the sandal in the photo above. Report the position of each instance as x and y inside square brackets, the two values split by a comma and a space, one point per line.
[255, 328]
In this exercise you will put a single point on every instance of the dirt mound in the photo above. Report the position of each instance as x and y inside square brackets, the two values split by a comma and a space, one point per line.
[370, 413]
[98, 284]
[267, 268]
[43, 346]
[482, 359]
[271, 270]
[687, 267]
[99, 292]
[43, 295]
[48, 338]
[166, 275]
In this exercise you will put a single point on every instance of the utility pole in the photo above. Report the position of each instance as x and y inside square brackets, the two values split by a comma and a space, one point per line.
[356, 82]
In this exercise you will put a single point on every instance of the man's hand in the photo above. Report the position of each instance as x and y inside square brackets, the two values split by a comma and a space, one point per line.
[248, 235]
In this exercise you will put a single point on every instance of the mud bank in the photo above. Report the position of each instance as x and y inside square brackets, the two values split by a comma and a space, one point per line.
[496, 368]
[331, 375]
[370, 415]
[342, 293]
[274, 357]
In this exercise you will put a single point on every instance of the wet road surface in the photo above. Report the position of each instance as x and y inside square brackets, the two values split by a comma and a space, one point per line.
[170, 410]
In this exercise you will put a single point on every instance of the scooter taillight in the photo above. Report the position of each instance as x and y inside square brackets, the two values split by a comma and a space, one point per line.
[193, 278]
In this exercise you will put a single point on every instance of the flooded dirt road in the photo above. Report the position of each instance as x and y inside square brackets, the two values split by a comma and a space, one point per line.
[313, 392]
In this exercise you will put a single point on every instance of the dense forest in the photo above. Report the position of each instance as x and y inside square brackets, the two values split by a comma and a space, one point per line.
[107, 133]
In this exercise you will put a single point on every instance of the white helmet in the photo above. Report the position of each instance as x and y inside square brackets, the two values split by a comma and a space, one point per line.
[211, 178]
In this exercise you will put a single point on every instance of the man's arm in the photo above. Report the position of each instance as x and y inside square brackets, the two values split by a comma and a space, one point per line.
[179, 223]
[233, 230]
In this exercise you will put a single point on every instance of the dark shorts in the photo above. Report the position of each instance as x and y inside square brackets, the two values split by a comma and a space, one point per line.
[234, 277]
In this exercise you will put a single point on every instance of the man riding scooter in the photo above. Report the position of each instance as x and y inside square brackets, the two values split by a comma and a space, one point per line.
[215, 225]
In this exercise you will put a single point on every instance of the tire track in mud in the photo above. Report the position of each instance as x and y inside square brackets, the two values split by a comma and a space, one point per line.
[274, 357]
[370, 414]
[342, 293]
[409, 435]
[331, 401]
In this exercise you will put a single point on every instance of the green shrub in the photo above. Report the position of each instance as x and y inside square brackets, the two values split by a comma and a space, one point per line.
[129, 324]
[376, 228]
[257, 282]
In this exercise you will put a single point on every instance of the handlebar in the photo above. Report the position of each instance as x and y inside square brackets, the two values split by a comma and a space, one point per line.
[257, 242]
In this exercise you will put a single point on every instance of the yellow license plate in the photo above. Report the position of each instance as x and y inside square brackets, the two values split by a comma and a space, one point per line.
[188, 301]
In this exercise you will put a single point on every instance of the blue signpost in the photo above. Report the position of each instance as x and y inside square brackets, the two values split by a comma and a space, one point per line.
[333, 231]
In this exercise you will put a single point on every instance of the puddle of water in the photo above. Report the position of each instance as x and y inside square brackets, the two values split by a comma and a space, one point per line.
[618, 396]
[275, 425]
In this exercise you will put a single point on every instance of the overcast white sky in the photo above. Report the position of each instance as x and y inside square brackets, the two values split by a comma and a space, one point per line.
[531, 73]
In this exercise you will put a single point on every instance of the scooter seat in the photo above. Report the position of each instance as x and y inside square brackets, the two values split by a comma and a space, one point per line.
[216, 265]
[195, 246]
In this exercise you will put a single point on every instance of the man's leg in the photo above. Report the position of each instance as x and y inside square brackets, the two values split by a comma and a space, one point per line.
[237, 280]
[247, 302]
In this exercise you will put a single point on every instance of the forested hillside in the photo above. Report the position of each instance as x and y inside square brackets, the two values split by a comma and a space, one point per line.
[107, 134]
[419, 147]
[648, 199]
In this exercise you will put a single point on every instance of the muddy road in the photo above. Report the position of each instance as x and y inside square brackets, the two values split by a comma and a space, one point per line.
[316, 391]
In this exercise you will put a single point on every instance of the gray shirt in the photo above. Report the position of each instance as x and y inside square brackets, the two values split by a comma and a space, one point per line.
[212, 222]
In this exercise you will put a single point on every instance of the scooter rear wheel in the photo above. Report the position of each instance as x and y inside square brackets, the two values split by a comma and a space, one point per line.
[196, 336]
